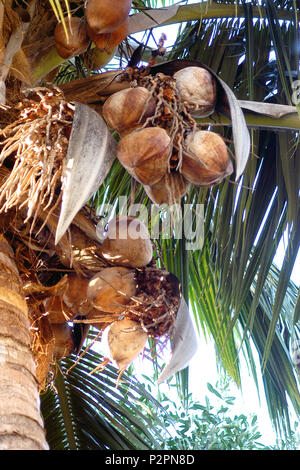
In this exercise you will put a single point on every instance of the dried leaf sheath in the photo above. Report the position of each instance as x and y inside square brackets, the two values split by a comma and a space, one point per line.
[157, 301]
[34, 149]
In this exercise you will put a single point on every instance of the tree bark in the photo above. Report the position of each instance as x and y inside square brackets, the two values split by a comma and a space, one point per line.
[21, 424]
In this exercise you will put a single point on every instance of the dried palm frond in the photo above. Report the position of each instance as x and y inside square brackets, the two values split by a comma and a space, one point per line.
[33, 147]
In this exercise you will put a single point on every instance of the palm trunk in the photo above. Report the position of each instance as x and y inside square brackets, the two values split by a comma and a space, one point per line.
[21, 425]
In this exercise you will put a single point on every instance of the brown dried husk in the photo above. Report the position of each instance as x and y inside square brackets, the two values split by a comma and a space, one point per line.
[42, 345]
[156, 302]
[9, 22]
[169, 190]
[34, 147]
[9, 113]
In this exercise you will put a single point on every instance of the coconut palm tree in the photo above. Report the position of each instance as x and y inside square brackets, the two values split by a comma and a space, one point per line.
[51, 108]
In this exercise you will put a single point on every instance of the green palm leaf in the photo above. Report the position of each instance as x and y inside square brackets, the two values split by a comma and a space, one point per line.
[83, 411]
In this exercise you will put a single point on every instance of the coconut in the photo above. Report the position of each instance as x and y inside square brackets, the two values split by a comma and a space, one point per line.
[104, 16]
[57, 311]
[111, 289]
[109, 41]
[122, 341]
[64, 340]
[205, 160]
[197, 90]
[77, 40]
[71, 302]
[170, 189]
[145, 154]
[75, 295]
[127, 243]
[128, 109]
[77, 249]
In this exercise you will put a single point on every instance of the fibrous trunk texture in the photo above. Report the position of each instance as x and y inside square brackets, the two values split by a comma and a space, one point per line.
[21, 425]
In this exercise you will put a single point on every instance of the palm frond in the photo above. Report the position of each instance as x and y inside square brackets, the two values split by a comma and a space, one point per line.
[84, 411]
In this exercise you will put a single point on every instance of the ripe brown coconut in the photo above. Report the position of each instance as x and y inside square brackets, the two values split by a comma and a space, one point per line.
[57, 311]
[122, 341]
[111, 289]
[68, 300]
[169, 190]
[205, 161]
[197, 89]
[127, 243]
[75, 294]
[105, 16]
[64, 340]
[145, 154]
[109, 41]
[128, 109]
[77, 249]
[76, 42]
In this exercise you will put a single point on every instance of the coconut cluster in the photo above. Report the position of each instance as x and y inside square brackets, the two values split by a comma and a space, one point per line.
[129, 300]
[104, 25]
[161, 145]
